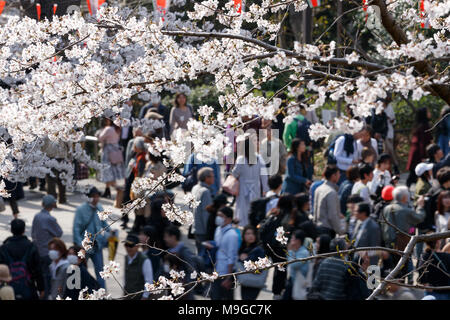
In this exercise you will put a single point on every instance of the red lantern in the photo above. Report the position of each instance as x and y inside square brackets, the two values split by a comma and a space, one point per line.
[2, 5]
[238, 5]
[89, 7]
[55, 6]
[38, 11]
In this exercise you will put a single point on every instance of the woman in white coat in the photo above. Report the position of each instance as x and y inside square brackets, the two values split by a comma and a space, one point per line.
[251, 171]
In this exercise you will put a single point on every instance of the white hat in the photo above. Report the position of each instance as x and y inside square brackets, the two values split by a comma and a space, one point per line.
[423, 167]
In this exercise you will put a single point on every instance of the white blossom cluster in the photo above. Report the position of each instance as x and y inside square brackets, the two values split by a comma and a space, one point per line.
[262, 263]
[280, 237]
[109, 270]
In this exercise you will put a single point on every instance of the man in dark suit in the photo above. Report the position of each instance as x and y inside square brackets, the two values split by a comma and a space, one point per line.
[367, 232]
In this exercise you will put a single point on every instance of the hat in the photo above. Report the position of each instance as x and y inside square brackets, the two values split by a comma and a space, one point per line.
[227, 211]
[153, 115]
[48, 200]
[131, 240]
[4, 273]
[386, 193]
[421, 168]
[93, 191]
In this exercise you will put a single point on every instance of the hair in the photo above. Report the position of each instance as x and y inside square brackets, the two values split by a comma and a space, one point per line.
[105, 122]
[364, 207]
[352, 173]
[366, 152]
[227, 211]
[301, 199]
[383, 158]
[76, 248]
[295, 144]
[354, 198]
[400, 192]
[337, 243]
[60, 246]
[204, 173]
[173, 230]
[431, 151]
[17, 227]
[329, 171]
[299, 235]
[443, 175]
[440, 201]
[139, 142]
[285, 203]
[176, 98]
[365, 169]
[421, 116]
[367, 128]
[275, 181]
[324, 244]
[154, 158]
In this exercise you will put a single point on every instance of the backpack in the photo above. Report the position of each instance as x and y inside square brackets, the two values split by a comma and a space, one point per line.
[329, 152]
[267, 233]
[191, 180]
[258, 209]
[21, 278]
[302, 130]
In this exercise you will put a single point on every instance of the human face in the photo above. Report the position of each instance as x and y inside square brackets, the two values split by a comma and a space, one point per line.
[181, 100]
[210, 180]
[294, 243]
[365, 136]
[446, 202]
[131, 251]
[169, 240]
[438, 155]
[95, 199]
[249, 236]
[301, 147]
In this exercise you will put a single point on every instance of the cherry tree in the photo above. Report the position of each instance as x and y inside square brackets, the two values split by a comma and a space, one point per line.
[57, 76]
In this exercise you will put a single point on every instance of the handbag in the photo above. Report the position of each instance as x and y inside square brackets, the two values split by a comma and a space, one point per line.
[115, 156]
[231, 185]
[252, 280]
[301, 284]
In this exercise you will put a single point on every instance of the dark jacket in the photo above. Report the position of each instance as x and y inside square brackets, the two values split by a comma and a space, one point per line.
[296, 176]
[345, 190]
[254, 252]
[86, 280]
[430, 274]
[16, 247]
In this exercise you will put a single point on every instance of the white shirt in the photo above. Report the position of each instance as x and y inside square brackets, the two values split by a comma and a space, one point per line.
[379, 178]
[344, 161]
[389, 111]
[147, 271]
[272, 203]
[442, 222]
[362, 190]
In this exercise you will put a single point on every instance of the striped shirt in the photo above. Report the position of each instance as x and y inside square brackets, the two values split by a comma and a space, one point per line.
[330, 280]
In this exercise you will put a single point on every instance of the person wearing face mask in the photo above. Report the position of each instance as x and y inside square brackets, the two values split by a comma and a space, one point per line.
[87, 219]
[78, 268]
[138, 270]
[45, 228]
[227, 254]
[58, 254]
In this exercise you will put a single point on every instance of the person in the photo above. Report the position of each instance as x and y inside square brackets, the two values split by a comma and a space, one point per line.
[350, 215]
[21, 255]
[275, 183]
[85, 279]
[57, 252]
[299, 169]
[155, 104]
[296, 250]
[367, 232]
[250, 250]
[434, 153]
[180, 113]
[322, 245]
[130, 154]
[59, 151]
[398, 292]
[434, 268]
[333, 279]
[366, 141]
[126, 132]
[251, 172]
[152, 249]
[226, 256]
[6, 291]
[296, 217]
[381, 175]
[193, 165]
[443, 130]
[345, 189]
[112, 156]
[158, 220]
[424, 173]
[443, 211]
[389, 141]
[327, 213]
[421, 138]
[386, 198]
[218, 202]
[137, 166]
[368, 156]
[290, 131]
[138, 270]
[154, 166]
[361, 187]
[45, 228]
[202, 194]
[87, 220]
[272, 150]
[346, 153]
[15, 189]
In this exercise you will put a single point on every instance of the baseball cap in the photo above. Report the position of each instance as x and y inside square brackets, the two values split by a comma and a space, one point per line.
[386, 193]
[93, 191]
[48, 200]
[423, 167]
